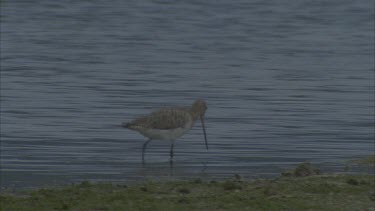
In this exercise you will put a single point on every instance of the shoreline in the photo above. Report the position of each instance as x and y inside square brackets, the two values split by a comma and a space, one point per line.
[302, 188]
[318, 192]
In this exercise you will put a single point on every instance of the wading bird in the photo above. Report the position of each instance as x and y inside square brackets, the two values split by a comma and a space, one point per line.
[169, 124]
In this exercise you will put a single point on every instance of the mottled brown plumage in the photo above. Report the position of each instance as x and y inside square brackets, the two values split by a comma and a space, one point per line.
[164, 119]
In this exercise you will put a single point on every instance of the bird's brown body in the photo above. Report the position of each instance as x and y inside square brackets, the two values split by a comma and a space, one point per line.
[169, 123]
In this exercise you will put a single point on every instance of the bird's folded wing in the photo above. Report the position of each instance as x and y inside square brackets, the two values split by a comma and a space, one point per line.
[164, 119]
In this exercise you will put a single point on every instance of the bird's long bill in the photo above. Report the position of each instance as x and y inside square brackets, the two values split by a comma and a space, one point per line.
[204, 130]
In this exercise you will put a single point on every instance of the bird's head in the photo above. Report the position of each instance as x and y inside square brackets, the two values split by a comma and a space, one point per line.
[199, 107]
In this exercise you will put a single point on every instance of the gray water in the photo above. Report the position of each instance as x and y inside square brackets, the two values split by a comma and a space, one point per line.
[285, 82]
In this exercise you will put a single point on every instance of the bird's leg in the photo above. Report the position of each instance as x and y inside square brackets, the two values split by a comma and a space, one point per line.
[144, 149]
[171, 152]
[171, 164]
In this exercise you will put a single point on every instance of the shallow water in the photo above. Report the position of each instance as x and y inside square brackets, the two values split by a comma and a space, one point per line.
[285, 82]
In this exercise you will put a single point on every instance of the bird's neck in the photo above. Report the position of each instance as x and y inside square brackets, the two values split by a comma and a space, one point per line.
[195, 115]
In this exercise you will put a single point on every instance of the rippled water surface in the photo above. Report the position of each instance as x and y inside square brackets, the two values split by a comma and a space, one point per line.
[285, 82]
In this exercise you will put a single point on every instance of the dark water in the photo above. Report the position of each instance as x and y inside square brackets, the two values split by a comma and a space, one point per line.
[285, 82]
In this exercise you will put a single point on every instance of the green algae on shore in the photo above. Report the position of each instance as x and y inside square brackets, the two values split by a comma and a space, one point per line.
[320, 192]
[302, 170]
[370, 160]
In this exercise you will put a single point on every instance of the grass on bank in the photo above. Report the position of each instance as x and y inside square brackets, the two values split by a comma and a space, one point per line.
[320, 192]
[302, 188]
[370, 160]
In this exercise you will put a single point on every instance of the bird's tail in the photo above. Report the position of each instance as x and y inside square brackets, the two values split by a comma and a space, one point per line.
[125, 125]
[130, 125]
